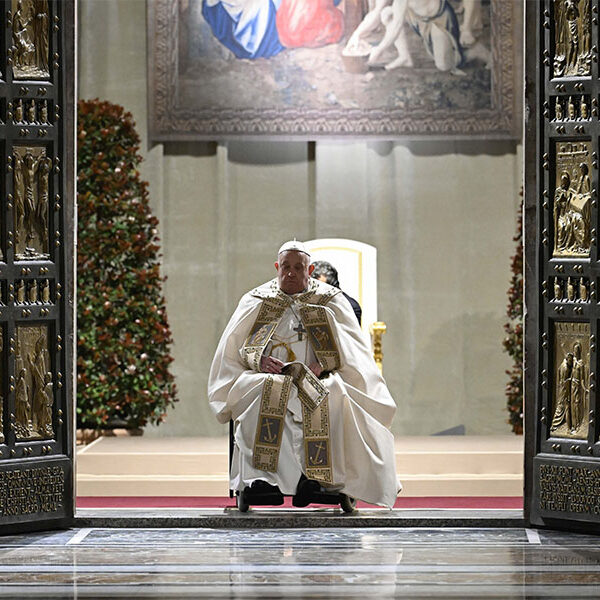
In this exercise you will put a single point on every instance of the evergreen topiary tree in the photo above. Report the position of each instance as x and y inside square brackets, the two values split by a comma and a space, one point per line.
[513, 342]
[123, 334]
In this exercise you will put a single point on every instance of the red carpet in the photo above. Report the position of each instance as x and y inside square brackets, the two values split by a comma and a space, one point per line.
[474, 502]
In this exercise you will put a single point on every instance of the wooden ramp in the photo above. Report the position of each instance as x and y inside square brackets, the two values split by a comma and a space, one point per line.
[427, 466]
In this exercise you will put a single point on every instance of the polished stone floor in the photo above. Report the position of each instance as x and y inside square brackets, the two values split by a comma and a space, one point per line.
[300, 563]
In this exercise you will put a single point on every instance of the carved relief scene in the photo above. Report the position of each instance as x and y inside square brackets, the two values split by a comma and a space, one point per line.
[29, 111]
[32, 291]
[572, 199]
[34, 395]
[30, 34]
[571, 289]
[571, 401]
[571, 108]
[31, 181]
[572, 38]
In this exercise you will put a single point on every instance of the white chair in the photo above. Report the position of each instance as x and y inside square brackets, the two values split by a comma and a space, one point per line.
[356, 264]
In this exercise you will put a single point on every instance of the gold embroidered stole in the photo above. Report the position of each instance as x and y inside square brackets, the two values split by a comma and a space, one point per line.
[311, 391]
[269, 430]
[320, 336]
[268, 318]
[315, 422]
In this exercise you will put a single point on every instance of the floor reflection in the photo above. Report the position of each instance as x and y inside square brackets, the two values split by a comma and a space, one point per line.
[300, 563]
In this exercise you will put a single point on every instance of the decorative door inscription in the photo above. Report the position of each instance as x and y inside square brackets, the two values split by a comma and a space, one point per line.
[30, 27]
[32, 490]
[573, 489]
[571, 380]
[572, 38]
[572, 199]
[31, 181]
[34, 396]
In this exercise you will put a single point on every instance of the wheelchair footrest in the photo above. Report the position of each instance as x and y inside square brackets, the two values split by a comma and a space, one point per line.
[254, 499]
[262, 493]
[325, 498]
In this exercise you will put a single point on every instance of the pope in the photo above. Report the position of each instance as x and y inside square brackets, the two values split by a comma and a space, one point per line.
[295, 373]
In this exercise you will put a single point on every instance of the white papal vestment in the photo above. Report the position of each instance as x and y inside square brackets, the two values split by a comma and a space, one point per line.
[359, 406]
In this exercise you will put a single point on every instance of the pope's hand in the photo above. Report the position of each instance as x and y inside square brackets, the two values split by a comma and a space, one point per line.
[268, 364]
[315, 368]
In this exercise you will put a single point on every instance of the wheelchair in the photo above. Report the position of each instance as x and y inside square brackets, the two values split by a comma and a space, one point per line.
[263, 494]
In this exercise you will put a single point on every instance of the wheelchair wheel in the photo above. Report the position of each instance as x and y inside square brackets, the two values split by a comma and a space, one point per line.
[241, 502]
[348, 504]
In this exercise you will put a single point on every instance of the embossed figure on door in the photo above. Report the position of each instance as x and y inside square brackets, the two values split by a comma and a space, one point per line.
[30, 39]
[572, 38]
[571, 380]
[34, 397]
[572, 199]
[31, 182]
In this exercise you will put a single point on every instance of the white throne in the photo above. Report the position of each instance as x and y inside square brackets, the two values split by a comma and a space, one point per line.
[356, 264]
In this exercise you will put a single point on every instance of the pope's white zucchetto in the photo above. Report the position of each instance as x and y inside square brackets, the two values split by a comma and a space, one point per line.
[294, 245]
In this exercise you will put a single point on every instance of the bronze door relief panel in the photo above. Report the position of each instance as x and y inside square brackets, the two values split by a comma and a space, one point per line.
[570, 398]
[572, 29]
[562, 262]
[36, 262]
[572, 199]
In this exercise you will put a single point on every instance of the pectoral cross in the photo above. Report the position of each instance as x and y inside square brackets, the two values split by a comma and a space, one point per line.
[300, 330]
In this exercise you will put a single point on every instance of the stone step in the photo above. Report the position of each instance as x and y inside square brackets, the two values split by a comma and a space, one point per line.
[207, 485]
[213, 463]
[130, 456]
[427, 466]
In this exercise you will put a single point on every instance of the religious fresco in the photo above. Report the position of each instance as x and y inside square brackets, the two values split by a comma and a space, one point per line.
[34, 396]
[572, 199]
[30, 34]
[326, 67]
[31, 183]
[571, 397]
[572, 38]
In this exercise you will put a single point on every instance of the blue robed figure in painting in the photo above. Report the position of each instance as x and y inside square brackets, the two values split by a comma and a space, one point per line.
[254, 29]
[247, 27]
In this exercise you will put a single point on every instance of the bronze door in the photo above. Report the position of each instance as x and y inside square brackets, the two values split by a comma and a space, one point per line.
[562, 468]
[36, 263]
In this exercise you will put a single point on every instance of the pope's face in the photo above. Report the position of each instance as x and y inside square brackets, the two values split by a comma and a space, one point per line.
[293, 271]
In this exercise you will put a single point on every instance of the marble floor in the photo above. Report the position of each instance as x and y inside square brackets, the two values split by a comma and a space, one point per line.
[300, 563]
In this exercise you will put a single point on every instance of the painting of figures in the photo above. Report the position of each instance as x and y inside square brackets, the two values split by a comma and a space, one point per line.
[339, 68]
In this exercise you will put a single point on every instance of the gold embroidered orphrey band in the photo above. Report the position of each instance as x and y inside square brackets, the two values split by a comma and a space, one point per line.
[315, 412]
[268, 318]
[314, 319]
[269, 428]
[311, 391]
